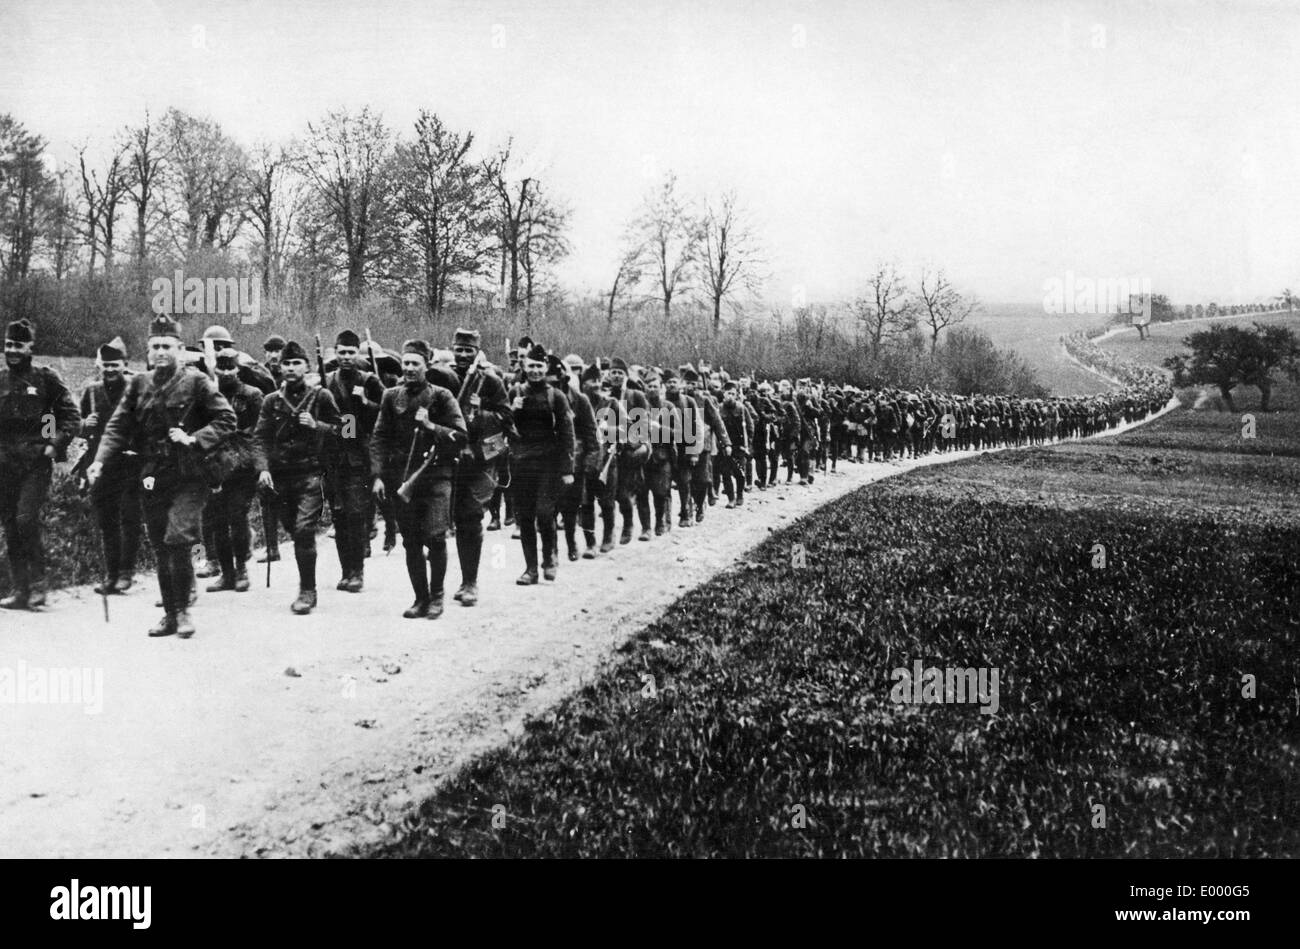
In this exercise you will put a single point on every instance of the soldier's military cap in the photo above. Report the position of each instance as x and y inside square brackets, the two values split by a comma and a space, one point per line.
[293, 351]
[164, 325]
[591, 374]
[348, 338]
[227, 359]
[466, 337]
[690, 375]
[21, 331]
[536, 352]
[113, 350]
[668, 374]
[273, 344]
[618, 363]
[218, 334]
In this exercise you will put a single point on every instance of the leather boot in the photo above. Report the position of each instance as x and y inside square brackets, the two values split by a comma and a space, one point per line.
[305, 602]
[590, 538]
[164, 627]
[241, 579]
[184, 625]
[607, 543]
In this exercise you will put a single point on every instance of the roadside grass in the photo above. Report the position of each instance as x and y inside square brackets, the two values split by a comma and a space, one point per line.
[771, 731]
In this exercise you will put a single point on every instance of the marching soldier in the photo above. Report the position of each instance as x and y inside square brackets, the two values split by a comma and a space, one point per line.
[38, 419]
[485, 407]
[740, 431]
[169, 416]
[665, 428]
[602, 483]
[632, 453]
[227, 508]
[586, 454]
[712, 439]
[115, 497]
[543, 462]
[291, 430]
[417, 439]
[271, 349]
[357, 394]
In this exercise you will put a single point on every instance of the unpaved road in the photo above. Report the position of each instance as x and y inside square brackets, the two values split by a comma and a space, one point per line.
[278, 735]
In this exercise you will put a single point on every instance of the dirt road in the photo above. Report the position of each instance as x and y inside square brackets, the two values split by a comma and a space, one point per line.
[279, 735]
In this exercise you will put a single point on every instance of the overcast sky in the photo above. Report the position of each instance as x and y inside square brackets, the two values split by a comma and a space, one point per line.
[1009, 141]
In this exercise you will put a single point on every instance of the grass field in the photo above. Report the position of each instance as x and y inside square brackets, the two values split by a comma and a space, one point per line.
[1125, 727]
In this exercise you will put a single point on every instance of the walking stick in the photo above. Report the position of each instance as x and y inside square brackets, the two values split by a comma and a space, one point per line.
[265, 535]
[103, 594]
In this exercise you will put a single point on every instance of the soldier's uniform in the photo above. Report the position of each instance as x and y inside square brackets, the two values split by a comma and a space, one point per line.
[586, 453]
[602, 480]
[712, 439]
[665, 434]
[485, 407]
[740, 432]
[357, 394]
[38, 419]
[226, 512]
[543, 454]
[174, 483]
[115, 496]
[398, 448]
[632, 456]
[294, 455]
[272, 348]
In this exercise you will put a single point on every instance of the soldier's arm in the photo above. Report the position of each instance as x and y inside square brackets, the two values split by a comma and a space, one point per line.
[564, 428]
[66, 415]
[714, 420]
[264, 435]
[121, 426]
[382, 435]
[88, 408]
[328, 420]
[449, 427]
[255, 402]
[220, 416]
[584, 426]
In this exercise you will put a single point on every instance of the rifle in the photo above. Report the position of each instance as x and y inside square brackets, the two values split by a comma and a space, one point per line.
[370, 348]
[320, 361]
[408, 486]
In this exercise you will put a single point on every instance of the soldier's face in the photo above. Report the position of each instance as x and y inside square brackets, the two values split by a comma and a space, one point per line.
[349, 356]
[464, 355]
[272, 357]
[164, 351]
[616, 378]
[653, 387]
[534, 370]
[729, 395]
[227, 377]
[16, 352]
[413, 367]
[294, 370]
[674, 387]
[113, 369]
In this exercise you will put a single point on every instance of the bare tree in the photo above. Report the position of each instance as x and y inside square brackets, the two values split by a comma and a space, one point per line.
[514, 195]
[147, 164]
[884, 311]
[345, 159]
[731, 254]
[940, 305]
[542, 242]
[625, 278]
[444, 201]
[668, 239]
[275, 194]
[60, 229]
[101, 196]
[207, 172]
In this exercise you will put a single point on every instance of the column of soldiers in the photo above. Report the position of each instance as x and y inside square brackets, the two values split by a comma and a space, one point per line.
[431, 442]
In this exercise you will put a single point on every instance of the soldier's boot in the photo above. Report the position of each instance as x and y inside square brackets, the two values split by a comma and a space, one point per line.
[122, 584]
[36, 596]
[305, 603]
[241, 578]
[106, 586]
[419, 577]
[607, 542]
[571, 540]
[165, 626]
[225, 582]
[437, 575]
[550, 548]
[625, 537]
[271, 555]
[184, 625]
[208, 570]
[469, 548]
[590, 538]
